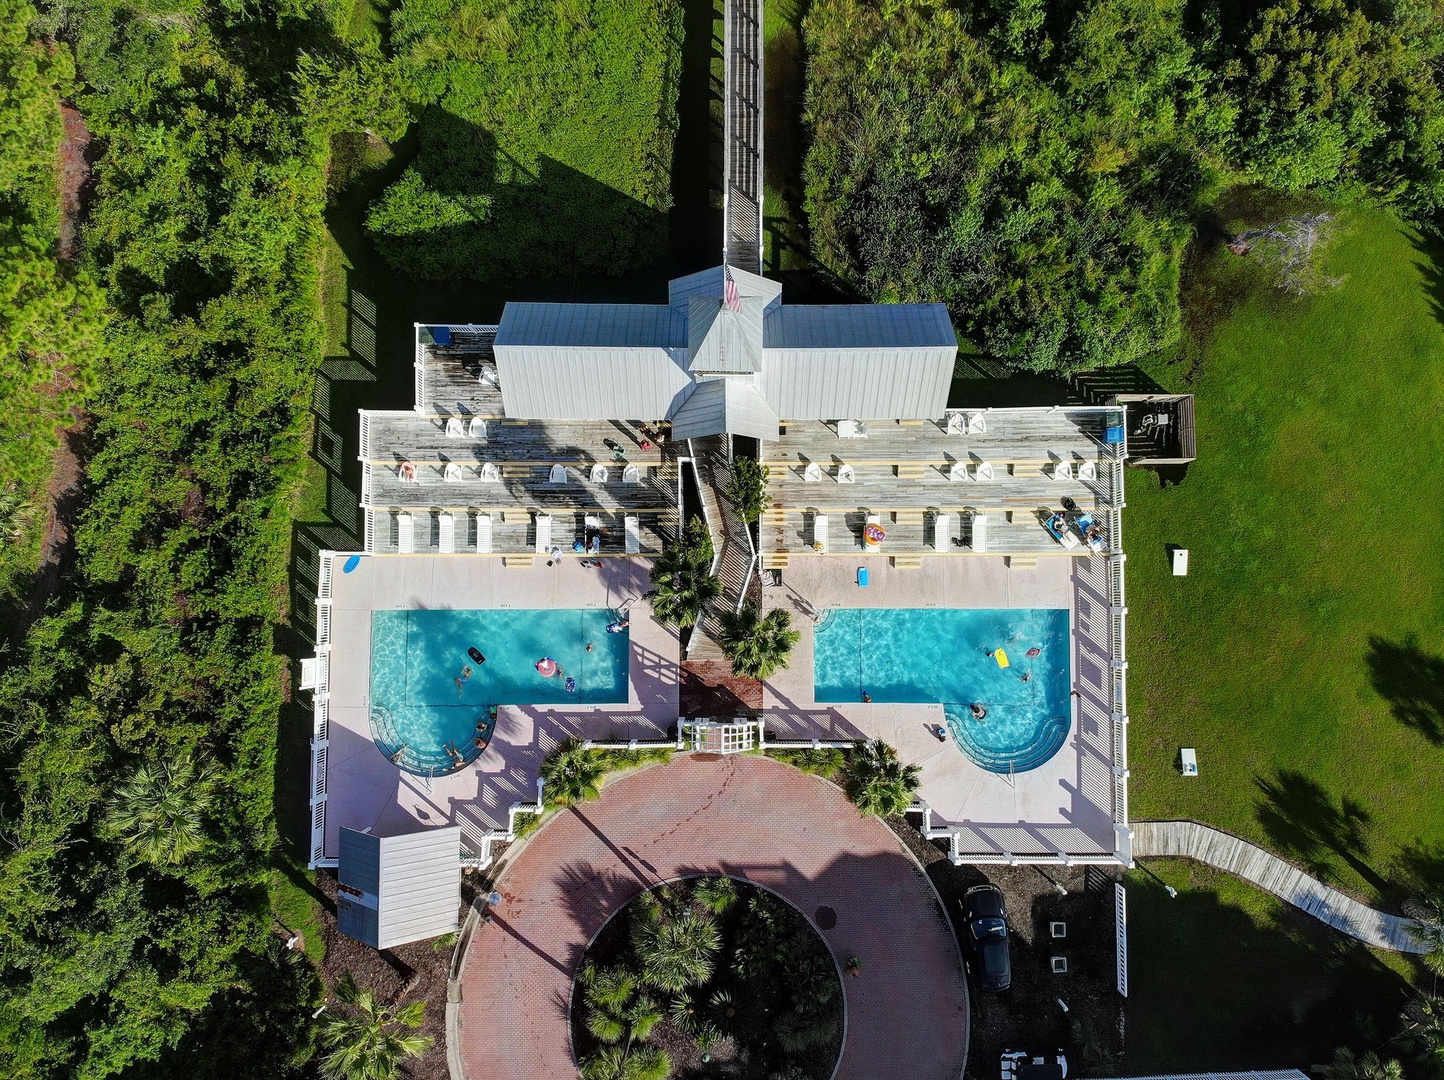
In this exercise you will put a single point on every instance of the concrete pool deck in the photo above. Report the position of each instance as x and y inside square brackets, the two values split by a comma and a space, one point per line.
[1065, 805]
[366, 791]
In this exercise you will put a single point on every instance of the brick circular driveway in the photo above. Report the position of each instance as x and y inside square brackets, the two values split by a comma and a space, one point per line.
[907, 1014]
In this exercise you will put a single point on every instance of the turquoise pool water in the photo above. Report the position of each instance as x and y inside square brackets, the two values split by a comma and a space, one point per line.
[422, 701]
[941, 655]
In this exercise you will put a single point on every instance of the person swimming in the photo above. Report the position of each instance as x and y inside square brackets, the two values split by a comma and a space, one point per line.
[978, 711]
[571, 685]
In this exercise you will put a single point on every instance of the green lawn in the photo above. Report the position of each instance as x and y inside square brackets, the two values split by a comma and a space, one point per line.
[1302, 654]
[1227, 977]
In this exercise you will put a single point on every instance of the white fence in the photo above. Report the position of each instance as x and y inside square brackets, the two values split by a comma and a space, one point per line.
[321, 708]
[1120, 925]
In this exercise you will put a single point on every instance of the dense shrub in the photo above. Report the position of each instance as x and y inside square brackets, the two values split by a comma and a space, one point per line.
[1039, 166]
[547, 146]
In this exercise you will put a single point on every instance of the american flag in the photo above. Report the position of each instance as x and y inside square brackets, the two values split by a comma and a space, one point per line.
[730, 296]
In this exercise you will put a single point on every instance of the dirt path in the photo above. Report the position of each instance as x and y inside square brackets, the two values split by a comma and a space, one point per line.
[73, 178]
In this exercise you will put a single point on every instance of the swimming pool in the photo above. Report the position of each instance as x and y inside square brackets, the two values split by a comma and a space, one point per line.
[424, 699]
[941, 655]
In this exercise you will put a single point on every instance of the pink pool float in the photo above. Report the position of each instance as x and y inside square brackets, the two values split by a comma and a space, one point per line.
[547, 667]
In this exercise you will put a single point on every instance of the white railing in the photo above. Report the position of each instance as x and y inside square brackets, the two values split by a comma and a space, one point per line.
[634, 744]
[1120, 925]
[420, 362]
[365, 452]
[325, 569]
[368, 518]
[321, 706]
[366, 485]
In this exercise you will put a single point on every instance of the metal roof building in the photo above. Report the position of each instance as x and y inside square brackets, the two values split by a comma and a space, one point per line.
[716, 368]
[398, 889]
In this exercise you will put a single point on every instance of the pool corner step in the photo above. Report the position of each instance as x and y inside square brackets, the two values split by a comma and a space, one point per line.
[907, 562]
[1022, 562]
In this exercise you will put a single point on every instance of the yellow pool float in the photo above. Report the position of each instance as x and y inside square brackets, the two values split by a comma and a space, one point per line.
[1001, 657]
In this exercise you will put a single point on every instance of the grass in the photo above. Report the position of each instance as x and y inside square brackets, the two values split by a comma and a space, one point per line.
[1227, 977]
[1302, 654]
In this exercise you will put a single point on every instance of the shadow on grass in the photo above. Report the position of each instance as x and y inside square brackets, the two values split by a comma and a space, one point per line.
[1431, 266]
[1304, 821]
[1272, 992]
[1411, 681]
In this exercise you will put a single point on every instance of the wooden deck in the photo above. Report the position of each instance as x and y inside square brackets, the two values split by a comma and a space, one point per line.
[518, 535]
[452, 383]
[742, 164]
[902, 473]
[1189, 839]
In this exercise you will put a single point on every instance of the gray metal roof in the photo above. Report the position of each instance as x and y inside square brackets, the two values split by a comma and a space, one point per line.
[723, 341]
[398, 889]
[709, 282]
[725, 405]
[864, 384]
[593, 325]
[858, 326]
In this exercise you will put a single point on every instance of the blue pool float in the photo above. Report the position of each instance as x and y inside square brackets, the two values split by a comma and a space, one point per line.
[862, 576]
[351, 564]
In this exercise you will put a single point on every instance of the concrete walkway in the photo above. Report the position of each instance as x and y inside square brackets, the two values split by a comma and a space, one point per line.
[1189, 839]
[752, 818]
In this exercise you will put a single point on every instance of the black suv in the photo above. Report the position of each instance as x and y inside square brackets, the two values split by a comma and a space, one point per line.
[987, 938]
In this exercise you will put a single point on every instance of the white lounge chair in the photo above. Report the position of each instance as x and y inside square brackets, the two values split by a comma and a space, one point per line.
[455, 429]
[477, 428]
[405, 533]
[846, 475]
[631, 475]
[1062, 470]
[956, 424]
[812, 473]
[980, 532]
[591, 526]
[558, 475]
[819, 533]
[983, 471]
[633, 529]
[872, 519]
[446, 532]
[958, 470]
[490, 473]
[976, 424]
[942, 530]
[1087, 470]
[483, 534]
[599, 473]
[453, 472]
[487, 375]
[543, 533]
[851, 429]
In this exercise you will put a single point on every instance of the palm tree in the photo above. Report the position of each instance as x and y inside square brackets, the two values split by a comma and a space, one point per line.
[682, 581]
[757, 645]
[615, 1011]
[716, 894]
[747, 488]
[876, 781]
[571, 774]
[370, 1042]
[1424, 1031]
[615, 1063]
[677, 951]
[1366, 1066]
[14, 508]
[158, 812]
[1428, 929]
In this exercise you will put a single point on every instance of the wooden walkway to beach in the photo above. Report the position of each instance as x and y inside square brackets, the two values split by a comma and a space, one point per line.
[1189, 839]
[742, 242]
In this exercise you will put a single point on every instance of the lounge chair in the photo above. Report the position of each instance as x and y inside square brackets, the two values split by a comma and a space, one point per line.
[483, 533]
[819, 533]
[1062, 470]
[446, 532]
[983, 471]
[477, 428]
[872, 519]
[1087, 470]
[956, 424]
[812, 473]
[490, 473]
[633, 530]
[980, 532]
[631, 475]
[958, 470]
[846, 475]
[453, 472]
[405, 533]
[455, 429]
[942, 530]
[1057, 526]
[558, 475]
[851, 429]
[600, 473]
[543, 533]
[976, 424]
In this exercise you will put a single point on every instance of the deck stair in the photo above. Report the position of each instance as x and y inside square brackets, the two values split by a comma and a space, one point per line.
[907, 562]
[1022, 562]
[734, 553]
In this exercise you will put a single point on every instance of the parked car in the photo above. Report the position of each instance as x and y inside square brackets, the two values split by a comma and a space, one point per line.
[1020, 1065]
[986, 934]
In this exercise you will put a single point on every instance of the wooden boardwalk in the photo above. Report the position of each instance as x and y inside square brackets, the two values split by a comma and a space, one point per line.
[742, 156]
[1189, 839]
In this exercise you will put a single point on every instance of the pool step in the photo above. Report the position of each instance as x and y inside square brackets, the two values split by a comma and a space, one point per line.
[516, 562]
[1022, 562]
[776, 560]
[907, 562]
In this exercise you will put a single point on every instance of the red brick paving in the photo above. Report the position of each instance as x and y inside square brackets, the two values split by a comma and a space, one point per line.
[907, 1014]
